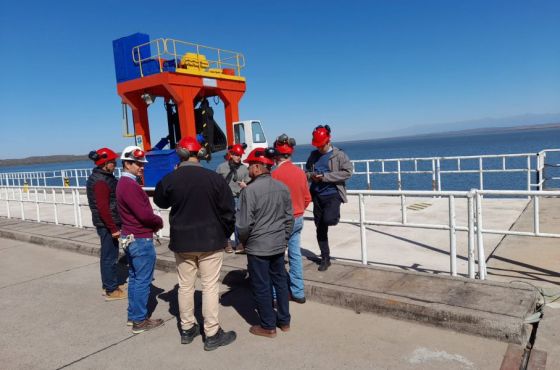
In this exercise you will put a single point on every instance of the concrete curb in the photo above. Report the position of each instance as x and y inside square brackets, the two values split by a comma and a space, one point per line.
[368, 289]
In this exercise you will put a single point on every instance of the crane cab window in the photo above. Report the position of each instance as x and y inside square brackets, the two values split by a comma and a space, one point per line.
[239, 133]
[258, 134]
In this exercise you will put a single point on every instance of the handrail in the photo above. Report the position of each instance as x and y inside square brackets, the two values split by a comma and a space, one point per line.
[57, 196]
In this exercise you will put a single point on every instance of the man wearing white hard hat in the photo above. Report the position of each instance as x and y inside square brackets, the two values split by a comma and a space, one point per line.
[139, 223]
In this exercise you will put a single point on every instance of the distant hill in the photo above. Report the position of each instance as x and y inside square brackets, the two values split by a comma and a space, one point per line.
[41, 160]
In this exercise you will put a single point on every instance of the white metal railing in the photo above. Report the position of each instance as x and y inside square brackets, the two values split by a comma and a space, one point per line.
[538, 171]
[528, 163]
[57, 197]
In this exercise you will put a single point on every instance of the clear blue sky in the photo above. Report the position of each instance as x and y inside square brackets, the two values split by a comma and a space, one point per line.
[360, 66]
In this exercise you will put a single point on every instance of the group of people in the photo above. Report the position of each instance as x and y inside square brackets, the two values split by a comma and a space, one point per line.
[261, 207]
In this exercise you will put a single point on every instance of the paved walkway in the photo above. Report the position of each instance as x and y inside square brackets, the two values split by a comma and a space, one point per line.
[53, 316]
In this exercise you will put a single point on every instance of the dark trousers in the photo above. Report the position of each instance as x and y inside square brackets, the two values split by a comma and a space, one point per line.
[108, 259]
[326, 212]
[265, 272]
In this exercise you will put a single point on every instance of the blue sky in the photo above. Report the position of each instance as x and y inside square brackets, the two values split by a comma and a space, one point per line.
[362, 66]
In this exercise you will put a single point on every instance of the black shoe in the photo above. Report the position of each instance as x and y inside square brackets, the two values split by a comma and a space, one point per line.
[221, 338]
[324, 265]
[187, 336]
[298, 300]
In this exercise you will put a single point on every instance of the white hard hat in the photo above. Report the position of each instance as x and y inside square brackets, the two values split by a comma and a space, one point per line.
[134, 153]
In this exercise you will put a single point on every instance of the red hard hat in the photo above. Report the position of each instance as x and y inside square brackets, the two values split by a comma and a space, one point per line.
[259, 155]
[189, 143]
[321, 136]
[237, 149]
[102, 156]
[284, 144]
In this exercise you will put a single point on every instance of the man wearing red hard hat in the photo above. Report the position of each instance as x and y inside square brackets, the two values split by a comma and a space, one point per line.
[101, 192]
[201, 220]
[328, 168]
[264, 222]
[237, 176]
[294, 178]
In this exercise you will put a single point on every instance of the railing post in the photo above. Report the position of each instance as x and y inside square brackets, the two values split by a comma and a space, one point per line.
[79, 208]
[8, 204]
[37, 206]
[452, 237]
[55, 207]
[529, 173]
[536, 218]
[480, 239]
[434, 186]
[21, 204]
[470, 247]
[368, 179]
[77, 179]
[363, 240]
[481, 175]
[74, 208]
[399, 180]
[403, 210]
[438, 171]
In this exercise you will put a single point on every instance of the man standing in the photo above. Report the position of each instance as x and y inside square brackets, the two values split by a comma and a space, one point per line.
[264, 221]
[201, 220]
[328, 168]
[294, 178]
[139, 223]
[237, 177]
[101, 186]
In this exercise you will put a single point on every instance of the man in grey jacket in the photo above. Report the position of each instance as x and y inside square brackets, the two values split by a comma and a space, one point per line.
[264, 222]
[328, 168]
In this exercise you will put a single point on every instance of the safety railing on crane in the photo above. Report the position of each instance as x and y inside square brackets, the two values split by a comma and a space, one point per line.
[170, 54]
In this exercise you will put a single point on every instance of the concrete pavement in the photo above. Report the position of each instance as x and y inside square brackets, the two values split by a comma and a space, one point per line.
[53, 316]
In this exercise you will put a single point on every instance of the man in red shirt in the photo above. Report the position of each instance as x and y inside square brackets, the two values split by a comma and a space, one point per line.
[295, 179]
[101, 186]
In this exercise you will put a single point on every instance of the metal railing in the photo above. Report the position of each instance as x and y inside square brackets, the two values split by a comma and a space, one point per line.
[534, 167]
[164, 49]
[57, 197]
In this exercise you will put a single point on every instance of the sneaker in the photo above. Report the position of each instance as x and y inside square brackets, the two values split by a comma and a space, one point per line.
[221, 338]
[187, 336]
[147, 324]
[129, 323]
[324, 265]
[116, 295]
[240, 249]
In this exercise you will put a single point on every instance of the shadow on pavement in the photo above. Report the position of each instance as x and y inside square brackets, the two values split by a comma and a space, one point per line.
[239, 296]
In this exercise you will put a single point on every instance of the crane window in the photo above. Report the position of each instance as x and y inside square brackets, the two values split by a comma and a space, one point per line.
[239, 133]
[258, 134]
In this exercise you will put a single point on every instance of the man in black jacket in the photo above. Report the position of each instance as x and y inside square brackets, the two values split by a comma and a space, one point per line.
[201, 220]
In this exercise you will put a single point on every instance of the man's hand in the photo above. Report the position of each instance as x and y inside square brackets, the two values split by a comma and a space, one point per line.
[316, 177]
[242, 184]
[116, 235]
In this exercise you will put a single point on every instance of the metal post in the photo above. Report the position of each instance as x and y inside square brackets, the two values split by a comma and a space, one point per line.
[44, 179]
[433, 175]
[367, 172]
[452, 237]
[37, 206]
[363, 241]
[55, 207]
[403, 209]
[529, 173]
[21, 204]
[480, 239]
[79, 208]
[74, 208]
[481, 176]
[470, 248]
[536, 218]
[77, 180]
[438, 171]
[399, 182]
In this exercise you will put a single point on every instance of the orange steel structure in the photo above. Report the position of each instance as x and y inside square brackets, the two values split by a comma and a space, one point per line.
[184, 90]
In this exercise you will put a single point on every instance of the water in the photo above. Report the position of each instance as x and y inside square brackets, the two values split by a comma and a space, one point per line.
[526, 141]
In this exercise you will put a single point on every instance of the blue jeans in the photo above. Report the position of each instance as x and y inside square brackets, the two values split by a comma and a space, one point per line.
[142, 260]
[294, 256]
[264, 272]
[108, 259]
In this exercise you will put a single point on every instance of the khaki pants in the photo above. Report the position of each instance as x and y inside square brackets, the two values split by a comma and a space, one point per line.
[209, 265]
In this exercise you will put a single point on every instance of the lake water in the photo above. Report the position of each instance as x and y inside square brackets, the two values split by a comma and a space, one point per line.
[527, 141]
